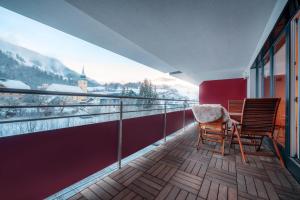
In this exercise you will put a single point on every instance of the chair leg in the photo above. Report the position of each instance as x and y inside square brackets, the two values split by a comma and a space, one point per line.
[231, 136]
[277, 152]
[241, 146]
[199, 138]
[260, 143]
[223, 147]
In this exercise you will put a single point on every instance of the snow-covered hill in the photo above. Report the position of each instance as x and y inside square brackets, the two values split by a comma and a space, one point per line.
[30, 58]
[20, 63]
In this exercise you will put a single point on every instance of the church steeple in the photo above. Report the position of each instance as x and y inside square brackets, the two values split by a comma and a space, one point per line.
[83, 76]
[82, 82]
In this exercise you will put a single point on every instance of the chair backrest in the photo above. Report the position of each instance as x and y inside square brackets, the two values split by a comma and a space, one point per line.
[259, 115]
[235, 106]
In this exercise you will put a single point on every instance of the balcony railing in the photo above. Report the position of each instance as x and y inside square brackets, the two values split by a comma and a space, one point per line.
[36, 109]
[74, 135]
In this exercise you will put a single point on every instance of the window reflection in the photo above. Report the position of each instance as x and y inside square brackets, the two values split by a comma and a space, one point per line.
[267, 80]
[260, 82]
[279, 88]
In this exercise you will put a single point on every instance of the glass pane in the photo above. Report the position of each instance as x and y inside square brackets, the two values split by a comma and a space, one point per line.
[259, 82]
[252, 82]
[279, 90]
[267, 81]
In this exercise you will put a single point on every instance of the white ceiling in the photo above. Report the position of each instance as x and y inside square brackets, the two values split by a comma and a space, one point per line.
[205, 39]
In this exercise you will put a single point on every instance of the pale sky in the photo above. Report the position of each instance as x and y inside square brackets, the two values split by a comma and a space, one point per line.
[100, 64]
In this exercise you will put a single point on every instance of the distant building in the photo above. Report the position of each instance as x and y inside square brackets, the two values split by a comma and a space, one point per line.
[44, 86]
[67, 88]
[81, 88]
[82, 82]
[13, 84]
[64, 88]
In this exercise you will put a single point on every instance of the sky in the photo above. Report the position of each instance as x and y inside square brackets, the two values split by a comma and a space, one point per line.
[100, 64]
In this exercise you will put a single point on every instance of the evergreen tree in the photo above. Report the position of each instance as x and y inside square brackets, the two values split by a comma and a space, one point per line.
[149, 91]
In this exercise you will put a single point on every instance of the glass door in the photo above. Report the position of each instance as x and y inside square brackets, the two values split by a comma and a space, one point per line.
[267, 77]
[279, 71]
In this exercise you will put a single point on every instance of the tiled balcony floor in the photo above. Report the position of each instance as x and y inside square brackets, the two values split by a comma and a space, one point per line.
[176, 170]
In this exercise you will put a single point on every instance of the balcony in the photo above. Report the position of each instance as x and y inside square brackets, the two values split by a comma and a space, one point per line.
[89, 145]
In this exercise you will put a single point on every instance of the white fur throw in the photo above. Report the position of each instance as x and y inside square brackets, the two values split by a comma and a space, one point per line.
[210, 112]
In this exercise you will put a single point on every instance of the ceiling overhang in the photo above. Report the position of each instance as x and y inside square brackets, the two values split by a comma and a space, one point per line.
[205, 40]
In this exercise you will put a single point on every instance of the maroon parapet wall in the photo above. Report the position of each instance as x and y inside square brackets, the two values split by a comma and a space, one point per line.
[139, 133]
[34, 166]
[220, 91]
[37, 165]
[189, 117]
[174, 121]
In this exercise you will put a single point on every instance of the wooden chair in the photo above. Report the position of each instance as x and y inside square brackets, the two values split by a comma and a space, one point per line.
[258, 121]
[214, 132]
[235, 108]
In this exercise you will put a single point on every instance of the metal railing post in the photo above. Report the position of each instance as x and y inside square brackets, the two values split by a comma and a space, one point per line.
[165, 122]
[183, 123]
[120, 135]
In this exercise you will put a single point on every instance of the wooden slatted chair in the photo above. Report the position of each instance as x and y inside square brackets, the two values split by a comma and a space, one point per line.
[213, 132]
[258, 121]
[235, 108]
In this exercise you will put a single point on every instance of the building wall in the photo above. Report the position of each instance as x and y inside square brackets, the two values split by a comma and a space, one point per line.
[220, 91]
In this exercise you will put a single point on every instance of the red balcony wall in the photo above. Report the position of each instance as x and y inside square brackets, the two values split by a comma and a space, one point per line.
[139, 133]
[34, 166]
[189, 117]
[220, 91]
[37, 165]
[174, 121]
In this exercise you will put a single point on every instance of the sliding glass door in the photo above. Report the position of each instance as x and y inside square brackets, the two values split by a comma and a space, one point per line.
[295, 140]
[279, 87]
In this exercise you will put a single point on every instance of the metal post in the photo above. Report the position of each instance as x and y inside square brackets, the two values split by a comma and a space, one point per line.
[183, 123]
[120, 135]
[165, 122]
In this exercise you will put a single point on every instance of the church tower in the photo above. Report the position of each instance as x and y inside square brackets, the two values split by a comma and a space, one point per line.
[82, 82]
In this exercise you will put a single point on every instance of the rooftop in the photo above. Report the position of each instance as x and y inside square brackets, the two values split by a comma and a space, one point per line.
[63, 88]
[14, 84]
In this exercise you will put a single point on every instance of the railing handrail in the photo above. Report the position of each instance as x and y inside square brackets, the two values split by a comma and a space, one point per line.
[75, 105]
[79, 115]
[119, 97]
[56, 93]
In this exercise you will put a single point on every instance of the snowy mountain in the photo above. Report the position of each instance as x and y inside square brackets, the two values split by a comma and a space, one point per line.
[30, 58]
[20, 63]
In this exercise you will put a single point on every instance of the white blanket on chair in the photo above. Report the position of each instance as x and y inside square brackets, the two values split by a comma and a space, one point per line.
[210, 112]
